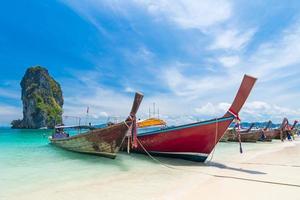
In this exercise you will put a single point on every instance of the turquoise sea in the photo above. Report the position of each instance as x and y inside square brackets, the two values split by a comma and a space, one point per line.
[28, 162]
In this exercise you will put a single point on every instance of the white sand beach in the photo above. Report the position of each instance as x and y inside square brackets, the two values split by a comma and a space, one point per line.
[264, 171]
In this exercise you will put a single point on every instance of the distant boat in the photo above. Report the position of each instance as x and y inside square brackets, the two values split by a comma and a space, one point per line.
[275, 133]
[43, 128]
[266, 134]
[100, 141]
[193, 141]
[280, 132]
[247, 135]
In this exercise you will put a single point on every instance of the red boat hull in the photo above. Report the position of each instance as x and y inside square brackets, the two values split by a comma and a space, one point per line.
[192, 141]
[197, 140]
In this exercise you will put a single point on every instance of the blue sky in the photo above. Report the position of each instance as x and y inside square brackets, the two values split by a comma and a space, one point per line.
[187, 56]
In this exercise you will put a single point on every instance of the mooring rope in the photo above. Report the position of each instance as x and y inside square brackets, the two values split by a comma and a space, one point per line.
[255, 180]
[155, 159]
[216, 140]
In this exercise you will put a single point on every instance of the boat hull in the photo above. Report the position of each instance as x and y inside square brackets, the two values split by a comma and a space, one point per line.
[278, 136]
[251, 136]
[191, 142]
[103, 142]
[267, 135]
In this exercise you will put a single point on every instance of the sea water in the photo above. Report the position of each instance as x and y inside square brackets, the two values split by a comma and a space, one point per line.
[29, 163]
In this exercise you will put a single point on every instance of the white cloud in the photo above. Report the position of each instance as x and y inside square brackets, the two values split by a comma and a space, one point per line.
[229, 61]
[185, 14]
[263, 111]
[190, 13]
[212, 110]
[271, 56]
[9, 113]
[129, 89]
[141, 55]
[189, 87]
[252, 111]
[231, 39]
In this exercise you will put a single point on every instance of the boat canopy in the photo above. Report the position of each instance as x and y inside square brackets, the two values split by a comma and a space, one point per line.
[151, 122]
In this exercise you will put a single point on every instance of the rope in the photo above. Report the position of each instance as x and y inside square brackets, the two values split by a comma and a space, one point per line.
[128, 135]
[155, 159]
[126, 124]
[216, 140]
[122, 143]
[237, 118]
[256, 180]
[239, 137]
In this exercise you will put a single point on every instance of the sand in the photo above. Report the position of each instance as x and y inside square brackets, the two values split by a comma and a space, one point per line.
[270, 172]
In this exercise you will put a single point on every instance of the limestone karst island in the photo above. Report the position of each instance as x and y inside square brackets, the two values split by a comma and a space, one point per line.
[42, 100]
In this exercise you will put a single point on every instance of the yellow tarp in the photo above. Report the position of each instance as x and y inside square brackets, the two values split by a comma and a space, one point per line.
[151, 122]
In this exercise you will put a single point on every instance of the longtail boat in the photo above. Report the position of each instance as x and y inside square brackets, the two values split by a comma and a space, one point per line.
[104, 142]
[280, 133]
[193, 141]
[247, 135]
[290, 131]
[267, 134]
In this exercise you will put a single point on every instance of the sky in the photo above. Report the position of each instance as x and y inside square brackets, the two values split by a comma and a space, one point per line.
[187, 56]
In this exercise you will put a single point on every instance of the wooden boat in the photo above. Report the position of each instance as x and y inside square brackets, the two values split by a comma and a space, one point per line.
[291, 131]
[247, 135]
[251, 136]
[100, 141]
[193, 141]
[280, 133]
[265, 133]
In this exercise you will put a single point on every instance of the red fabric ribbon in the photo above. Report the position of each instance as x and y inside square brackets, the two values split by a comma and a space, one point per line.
[236, 115]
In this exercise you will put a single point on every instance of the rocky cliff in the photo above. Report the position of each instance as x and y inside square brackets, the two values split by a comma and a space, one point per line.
[42, 100]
